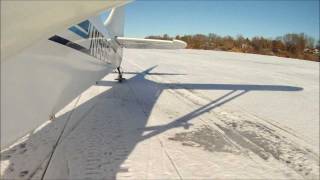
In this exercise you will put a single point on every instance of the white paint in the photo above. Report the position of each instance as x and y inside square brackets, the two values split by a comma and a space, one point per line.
[138, 43]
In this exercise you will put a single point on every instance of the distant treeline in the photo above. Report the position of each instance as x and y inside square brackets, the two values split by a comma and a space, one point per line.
[292, 45]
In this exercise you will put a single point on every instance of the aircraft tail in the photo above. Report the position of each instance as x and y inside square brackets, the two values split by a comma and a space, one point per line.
[115, 22]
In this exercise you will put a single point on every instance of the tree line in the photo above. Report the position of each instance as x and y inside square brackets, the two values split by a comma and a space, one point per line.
[292, 45]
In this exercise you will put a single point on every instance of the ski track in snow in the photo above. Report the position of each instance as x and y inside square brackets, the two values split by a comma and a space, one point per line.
[250, 134]
[146, 128]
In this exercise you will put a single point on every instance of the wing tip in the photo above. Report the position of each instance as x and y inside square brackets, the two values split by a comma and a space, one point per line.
[179, 44]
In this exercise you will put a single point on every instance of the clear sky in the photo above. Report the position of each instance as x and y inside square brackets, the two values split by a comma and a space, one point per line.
[268, 18]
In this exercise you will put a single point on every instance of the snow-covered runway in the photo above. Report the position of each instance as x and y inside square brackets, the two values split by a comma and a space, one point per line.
[183, 114]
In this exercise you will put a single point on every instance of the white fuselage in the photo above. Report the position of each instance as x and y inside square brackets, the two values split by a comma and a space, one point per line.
[47, 63]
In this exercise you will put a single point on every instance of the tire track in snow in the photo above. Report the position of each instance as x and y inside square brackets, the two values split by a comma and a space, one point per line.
[253, 134]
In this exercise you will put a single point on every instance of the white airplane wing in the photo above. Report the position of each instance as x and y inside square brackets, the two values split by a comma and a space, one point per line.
[150, 43]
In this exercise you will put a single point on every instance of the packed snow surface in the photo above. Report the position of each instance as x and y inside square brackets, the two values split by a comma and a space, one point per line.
[182, 114]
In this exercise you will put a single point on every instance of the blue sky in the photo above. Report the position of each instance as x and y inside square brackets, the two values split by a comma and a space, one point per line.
[249, 18]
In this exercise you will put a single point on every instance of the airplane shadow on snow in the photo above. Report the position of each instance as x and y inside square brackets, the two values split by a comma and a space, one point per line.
[120, 136]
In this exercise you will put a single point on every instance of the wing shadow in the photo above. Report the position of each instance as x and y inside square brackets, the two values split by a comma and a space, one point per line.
[132, 91]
